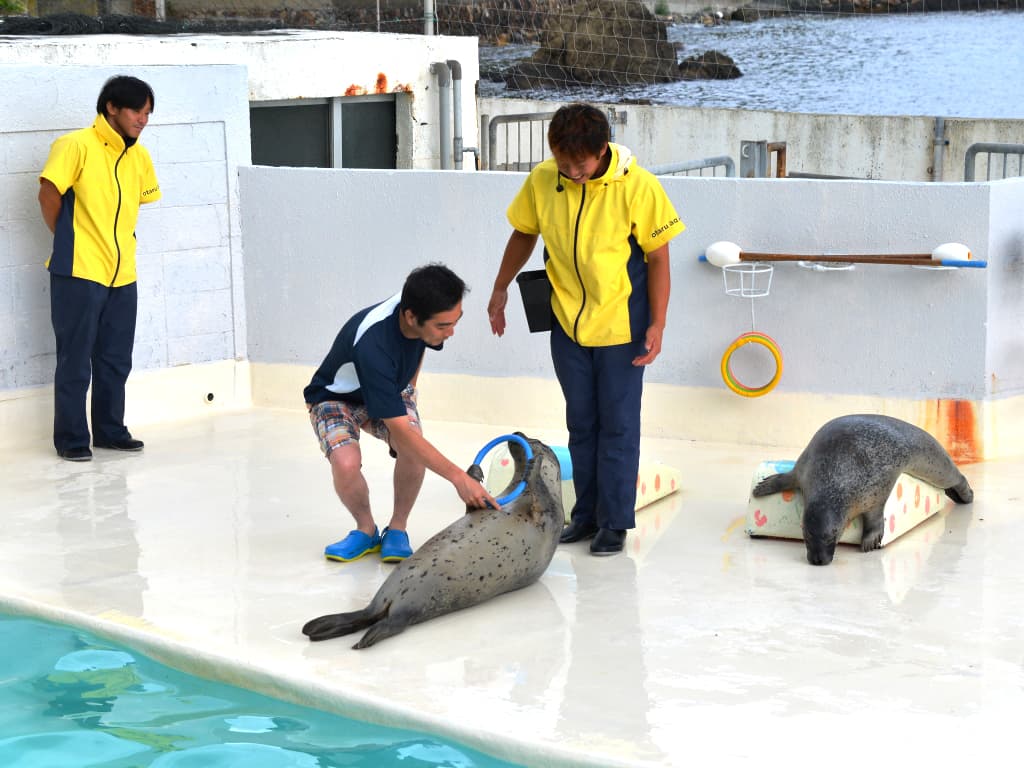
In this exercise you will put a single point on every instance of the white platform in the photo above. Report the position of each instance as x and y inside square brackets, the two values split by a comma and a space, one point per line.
[655, 480]
[698, 646]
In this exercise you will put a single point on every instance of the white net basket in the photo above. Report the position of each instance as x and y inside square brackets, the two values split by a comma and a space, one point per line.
[749, 279]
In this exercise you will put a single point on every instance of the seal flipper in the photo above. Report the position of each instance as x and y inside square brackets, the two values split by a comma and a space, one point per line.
[388, 625]
[961, 493]
[776, 484]
[338, 624]
[874, 528]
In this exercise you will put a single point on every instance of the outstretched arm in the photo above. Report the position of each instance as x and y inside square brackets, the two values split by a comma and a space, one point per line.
[406, 440]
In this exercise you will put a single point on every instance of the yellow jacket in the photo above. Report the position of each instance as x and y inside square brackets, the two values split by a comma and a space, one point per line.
[596, 235]
[102, 182]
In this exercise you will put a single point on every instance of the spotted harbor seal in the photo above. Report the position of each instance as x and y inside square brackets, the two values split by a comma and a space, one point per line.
[481, 555]
[849, 468]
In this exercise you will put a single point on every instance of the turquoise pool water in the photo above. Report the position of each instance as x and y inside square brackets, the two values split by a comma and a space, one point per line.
[69, 699]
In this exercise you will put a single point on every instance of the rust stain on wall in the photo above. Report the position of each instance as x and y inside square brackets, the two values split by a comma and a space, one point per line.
[381, 85]
[402, 88]
[355, 90]
[954, 423]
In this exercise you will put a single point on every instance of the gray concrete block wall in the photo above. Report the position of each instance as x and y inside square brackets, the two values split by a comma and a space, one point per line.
[189, 252]
[879, 331]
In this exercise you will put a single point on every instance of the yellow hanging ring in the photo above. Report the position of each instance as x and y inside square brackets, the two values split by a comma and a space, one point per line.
[735, 384]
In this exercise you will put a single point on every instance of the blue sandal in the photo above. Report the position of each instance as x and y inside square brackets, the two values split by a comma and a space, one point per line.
[394, 546]
[353, 546]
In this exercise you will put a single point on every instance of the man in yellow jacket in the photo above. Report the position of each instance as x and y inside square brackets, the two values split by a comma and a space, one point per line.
[89, 193]
[606, 224]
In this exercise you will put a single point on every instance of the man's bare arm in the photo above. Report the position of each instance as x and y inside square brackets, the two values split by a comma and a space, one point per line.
[49, 203]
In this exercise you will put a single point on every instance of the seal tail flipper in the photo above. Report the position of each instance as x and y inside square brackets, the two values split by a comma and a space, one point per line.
[961, 493]
[385, 628]
[338, 624]
[775, 484]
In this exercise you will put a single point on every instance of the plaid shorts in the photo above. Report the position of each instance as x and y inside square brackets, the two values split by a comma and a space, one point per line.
[338, 423]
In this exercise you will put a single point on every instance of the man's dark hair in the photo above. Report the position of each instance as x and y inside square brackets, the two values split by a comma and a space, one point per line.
[579, 130]
[431, 289]
[125, 91]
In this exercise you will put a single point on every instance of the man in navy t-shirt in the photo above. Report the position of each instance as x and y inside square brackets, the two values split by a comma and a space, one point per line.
[367, 384]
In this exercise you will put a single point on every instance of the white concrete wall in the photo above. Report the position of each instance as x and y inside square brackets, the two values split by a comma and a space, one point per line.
[1005, 299]
[897, 339]
[864, 147]
[293, 64]
[191, 288]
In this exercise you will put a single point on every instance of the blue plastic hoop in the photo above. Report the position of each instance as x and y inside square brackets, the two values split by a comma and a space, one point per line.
[503, 500]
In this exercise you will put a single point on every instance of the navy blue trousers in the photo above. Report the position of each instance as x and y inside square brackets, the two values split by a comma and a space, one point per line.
[95, 331]
[602, 390]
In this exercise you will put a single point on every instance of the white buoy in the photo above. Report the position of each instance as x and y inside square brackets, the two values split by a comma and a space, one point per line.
[722, 253]
[951, 252]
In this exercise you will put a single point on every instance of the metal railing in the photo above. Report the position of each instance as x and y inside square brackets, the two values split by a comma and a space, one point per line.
[689, 166]
[525, 141]
[991, 149]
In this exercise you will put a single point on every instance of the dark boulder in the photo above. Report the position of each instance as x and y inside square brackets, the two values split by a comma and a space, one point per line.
[605, 42]
[712, 65]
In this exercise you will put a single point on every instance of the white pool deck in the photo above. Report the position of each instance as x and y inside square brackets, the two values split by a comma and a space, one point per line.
[698, 646]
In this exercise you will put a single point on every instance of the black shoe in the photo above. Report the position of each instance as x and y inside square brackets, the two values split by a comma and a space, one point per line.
[126, 444]
[608, 542]
[577, 530]
[75, 454]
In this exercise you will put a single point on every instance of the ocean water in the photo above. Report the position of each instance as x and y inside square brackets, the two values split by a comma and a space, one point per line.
[964, 64]
[71, 700]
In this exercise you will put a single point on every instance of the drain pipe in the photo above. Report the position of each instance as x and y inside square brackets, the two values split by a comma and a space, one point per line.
[444, 97]
[459, 150]
[939, 143]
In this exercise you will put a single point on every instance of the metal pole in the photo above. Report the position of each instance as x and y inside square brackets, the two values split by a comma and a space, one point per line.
[939, 144]
[428, 17]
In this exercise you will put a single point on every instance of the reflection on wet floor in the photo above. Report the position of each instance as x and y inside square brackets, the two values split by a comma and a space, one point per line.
[697, 641]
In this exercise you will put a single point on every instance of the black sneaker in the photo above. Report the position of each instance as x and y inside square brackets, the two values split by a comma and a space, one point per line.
[75, 454]
[127, 444]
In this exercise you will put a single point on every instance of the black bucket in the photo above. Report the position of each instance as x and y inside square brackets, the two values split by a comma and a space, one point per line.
[536, 291]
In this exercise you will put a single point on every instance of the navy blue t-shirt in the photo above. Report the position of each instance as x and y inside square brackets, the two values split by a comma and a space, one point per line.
[369, 362]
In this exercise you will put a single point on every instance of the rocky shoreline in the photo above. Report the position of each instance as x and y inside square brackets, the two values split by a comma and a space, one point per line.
[495, 22]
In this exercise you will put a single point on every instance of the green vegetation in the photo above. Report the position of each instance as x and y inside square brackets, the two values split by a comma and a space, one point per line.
[660, 8]
[12, 6]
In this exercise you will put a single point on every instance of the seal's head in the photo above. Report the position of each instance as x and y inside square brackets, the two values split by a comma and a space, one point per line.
[543, 478]
[821, 532]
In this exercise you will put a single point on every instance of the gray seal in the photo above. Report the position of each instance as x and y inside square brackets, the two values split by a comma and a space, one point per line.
[850, 467]
[483, 554]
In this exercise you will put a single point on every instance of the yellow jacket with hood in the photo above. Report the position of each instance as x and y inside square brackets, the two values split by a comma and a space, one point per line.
[596, 235]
